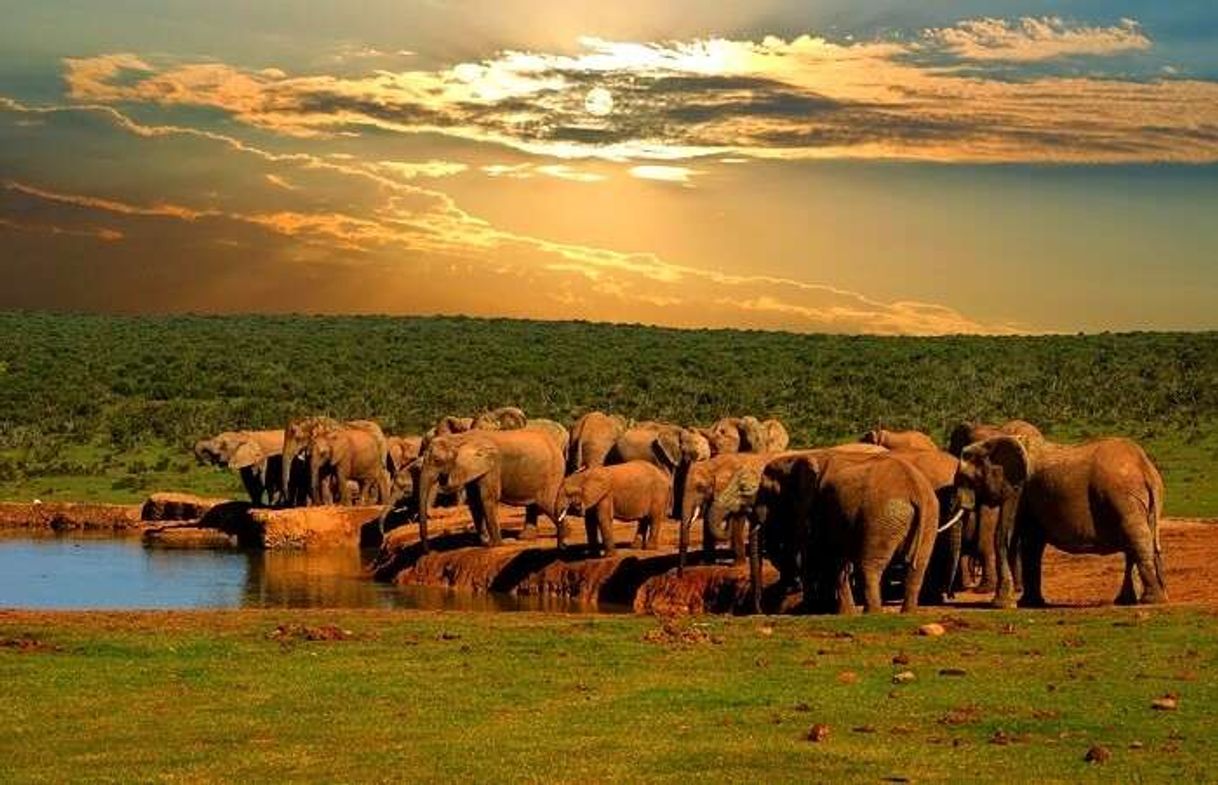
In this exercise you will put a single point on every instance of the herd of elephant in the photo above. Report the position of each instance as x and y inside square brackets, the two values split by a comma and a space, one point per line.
[836, 522]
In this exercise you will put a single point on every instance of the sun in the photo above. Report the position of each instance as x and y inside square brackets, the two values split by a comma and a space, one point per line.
[598, 102]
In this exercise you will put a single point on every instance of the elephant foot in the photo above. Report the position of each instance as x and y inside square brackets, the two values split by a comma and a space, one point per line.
[1003, 602]
[1154, 597]
[529, 532]
[910, 607]
[1027, 601]
[636, 543]
[985, 587]
[1126, 597]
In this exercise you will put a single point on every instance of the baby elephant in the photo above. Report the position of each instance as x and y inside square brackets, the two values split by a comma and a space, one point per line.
[632, 491]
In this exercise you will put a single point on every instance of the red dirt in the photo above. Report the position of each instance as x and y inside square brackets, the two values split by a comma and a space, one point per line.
[177, 507]
[70, 516]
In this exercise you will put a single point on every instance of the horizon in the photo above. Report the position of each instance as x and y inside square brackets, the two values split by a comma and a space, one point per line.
[988, 167]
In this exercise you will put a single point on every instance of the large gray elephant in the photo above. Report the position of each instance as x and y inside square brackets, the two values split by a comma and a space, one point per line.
[593, 438]
[705, 480]
[828, 514]
[978, 570]
[350, 456]
[1103, 496]
[303, 485]
[670, 447]
[520, 468]
[255, 455]
[747, 434]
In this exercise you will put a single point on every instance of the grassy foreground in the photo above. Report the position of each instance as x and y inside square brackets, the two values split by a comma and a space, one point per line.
[219, 696]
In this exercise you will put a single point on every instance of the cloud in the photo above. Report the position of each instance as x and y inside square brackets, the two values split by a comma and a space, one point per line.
[806, 97]
[666, 174]
[1036, 38]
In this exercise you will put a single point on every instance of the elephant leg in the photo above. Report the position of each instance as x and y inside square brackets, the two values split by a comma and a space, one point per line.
[477, 511]
[1004, 595]
[655, 520]
[739, 547]
[1153, 591]
[592, 531]
[1032, 552]
[845, 591]
[873, 600]
[986, 550]
[1128, 595]
[253, 485]
[488, 491]
[532, 514]
[604, 517]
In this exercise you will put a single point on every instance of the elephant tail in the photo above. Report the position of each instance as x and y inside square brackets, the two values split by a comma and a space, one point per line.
[1153, 508]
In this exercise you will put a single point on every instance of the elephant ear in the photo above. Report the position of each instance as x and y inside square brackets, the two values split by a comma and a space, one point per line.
[511, 418]
[246, 454]
[694, 446]
[741, 490]
[595, 487]
[752, 437]
[473, 459]
[1009, 454]
[667, 447]
[776, 437]
[871, 437]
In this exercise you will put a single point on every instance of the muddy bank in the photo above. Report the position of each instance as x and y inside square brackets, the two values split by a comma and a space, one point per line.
[71, 516]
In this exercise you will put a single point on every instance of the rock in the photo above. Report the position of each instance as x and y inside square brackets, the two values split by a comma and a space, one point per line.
[70, 516]
[818, 732]
[904, 677]
[308, 528]
[1000, 738]
[1097, 754]
[953, 672]
[177, 507]
[1168, 702]
[1136, 745]
[901, 659]
[932, 630]
[188, 537]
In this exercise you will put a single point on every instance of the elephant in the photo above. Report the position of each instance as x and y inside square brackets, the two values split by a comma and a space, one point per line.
[521, 468]
[256, 455]
[980, 525]
[705, 480]
[555, 431]
[1103, 496]
[632, 491]
[297, 438]
[505, 418]
[670, 447]
[748, 434]
[899, 440]
[592, 439]
[831, 512]
[401, 452]
[350, 456]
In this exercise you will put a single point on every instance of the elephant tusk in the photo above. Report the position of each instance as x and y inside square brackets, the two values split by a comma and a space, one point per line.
[697, 514]
[955, 519]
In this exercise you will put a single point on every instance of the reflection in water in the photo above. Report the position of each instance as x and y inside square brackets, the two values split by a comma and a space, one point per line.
[87, 572]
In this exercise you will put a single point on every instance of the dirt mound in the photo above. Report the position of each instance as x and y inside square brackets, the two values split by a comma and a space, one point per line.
[296, 633]
[168, 506]
[27, 646]
[705, 589]
[70, 516]
[312, 527]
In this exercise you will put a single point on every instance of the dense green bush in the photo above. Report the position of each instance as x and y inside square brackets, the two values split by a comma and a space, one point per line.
[124, 382]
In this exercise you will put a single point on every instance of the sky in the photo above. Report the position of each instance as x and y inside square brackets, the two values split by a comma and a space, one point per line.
[845, 166]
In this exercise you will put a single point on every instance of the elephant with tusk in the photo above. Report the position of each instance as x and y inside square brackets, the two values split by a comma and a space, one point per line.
[705, 480]
[1103, 496]
[255, 455]
[633, 491]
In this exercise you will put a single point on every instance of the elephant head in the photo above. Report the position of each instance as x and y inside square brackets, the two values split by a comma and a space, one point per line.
[451, 424]
[207, 452]
[296, 437]
[678, 449]
[505, 418]
[583, 490]
[248, 453]
[993, 472]
[698, 491]
[739, 434]
[450, 463]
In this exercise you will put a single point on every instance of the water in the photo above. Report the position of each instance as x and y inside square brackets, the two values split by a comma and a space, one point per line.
[74, 572]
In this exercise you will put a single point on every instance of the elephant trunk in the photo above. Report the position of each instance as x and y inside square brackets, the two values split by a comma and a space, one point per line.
[315, 481]
[716, 522]
[291, 449]
[755, 546]
[428, 489]
[204, 453]
[693, 511]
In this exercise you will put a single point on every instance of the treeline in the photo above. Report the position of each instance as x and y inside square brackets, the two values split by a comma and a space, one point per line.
[129, 381]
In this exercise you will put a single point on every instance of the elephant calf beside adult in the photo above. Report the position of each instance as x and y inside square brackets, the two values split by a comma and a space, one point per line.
[326, 453]
[633, 491]
[1104, 496]
[520, 468]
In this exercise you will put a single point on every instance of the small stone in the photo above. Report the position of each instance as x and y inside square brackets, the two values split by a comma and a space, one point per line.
[818, 732]
[932, 630]
[1097, 754]
[904, 677]
[802, 707]
[1000, 738]
[1168, 702]
[901, 659]
[1136, 745]
[765, 632]
[448, 636]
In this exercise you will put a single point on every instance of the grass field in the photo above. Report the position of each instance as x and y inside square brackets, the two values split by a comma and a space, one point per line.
[105, 408]
[218, 696]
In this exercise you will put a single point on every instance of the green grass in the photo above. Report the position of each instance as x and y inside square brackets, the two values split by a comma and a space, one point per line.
[418, 696]
[106, 408]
